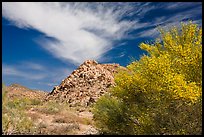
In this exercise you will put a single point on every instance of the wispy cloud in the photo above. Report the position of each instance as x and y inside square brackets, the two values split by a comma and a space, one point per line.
[122, 54]
[88, 30]
[37, 72]
[74, 32]
[10, 70]
[32, 65]
[179, 5]
[48, 84]
[173, 19]
[82, 32]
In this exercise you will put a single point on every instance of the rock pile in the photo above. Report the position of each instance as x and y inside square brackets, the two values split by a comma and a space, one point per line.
[85, 84]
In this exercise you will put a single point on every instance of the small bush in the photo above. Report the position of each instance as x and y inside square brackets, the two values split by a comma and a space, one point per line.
[35, 102]
[64, 129]
[22, 103]
[14, 119]
[53, 107]
[63, 120]
[50, 110]
[16, 122]
[86, 121]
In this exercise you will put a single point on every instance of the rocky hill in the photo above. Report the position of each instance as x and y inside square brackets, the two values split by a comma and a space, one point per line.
[24, 111]
[19, 91]
[38, 112]
[85, 84]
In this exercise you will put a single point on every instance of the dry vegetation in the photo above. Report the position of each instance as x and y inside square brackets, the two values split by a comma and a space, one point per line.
[27, 115]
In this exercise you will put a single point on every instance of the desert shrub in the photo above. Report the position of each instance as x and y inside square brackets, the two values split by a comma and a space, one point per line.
[35, 102]
[65, 118]
[17, 122]
[22, 103]
[4, 93]
[86, 121]
[18, 103]
[14, 119]
[50, 110]
[64, 129]
[162, 92]
[61, 120]
[52, 107]
[107, 111]
[4, 99]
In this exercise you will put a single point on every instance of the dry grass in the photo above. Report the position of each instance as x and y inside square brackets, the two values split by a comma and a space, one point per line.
[62, 129]
[67, 116]
[33, 116]
[87, 121]
[63, 119]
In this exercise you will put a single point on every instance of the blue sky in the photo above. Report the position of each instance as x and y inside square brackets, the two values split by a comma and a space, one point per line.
[42, 43]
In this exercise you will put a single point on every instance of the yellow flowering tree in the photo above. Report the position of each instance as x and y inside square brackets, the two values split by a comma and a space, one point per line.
[162, 92]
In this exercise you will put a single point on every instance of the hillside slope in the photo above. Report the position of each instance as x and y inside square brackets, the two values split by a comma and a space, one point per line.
[24, 111]
[66, 110]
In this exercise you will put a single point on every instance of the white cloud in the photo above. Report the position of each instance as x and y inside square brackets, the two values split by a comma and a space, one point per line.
[57, 75]
[32, 65]
[180, 5]
[10, 70]
[83, 32]
[122, 54]
[173, 19]
[34, 71]
[48, 84]
[149, 33]
[88, 30]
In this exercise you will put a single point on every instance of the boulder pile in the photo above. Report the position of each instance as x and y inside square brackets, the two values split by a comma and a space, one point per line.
[85, 84]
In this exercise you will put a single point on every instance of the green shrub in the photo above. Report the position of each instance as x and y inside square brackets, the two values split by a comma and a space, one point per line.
[162, 92]
[19, 103]
[53, 107]
[17, 122]
[35, 102]
[107, 111]
[14, 119]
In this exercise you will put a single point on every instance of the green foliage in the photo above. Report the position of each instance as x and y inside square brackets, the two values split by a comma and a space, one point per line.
[17, 103]
[162, 92]
[15, 121]
[14, 118]
[35, 102]
[108, 110]
[22, 103]
[52, 107]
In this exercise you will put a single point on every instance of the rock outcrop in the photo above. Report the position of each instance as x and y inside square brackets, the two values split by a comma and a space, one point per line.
[85, 84]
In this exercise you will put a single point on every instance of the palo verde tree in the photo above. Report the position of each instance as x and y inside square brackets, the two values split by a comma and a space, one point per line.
[162, 92]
